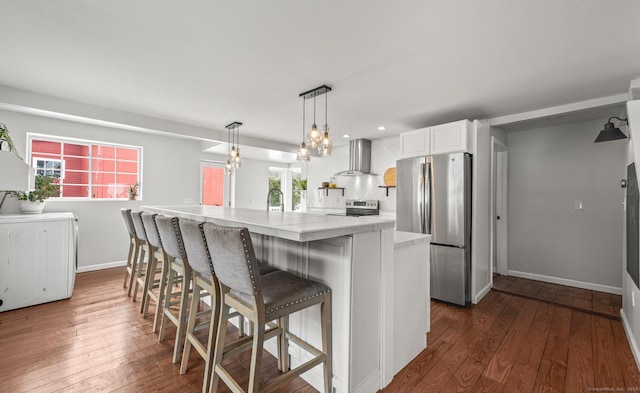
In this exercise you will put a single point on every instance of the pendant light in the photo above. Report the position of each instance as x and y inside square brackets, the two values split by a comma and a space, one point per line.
[237, 159]
[315, 138]
[326, 145]
[303, 151]
[314, 135]
[228, 167]
[610, 132]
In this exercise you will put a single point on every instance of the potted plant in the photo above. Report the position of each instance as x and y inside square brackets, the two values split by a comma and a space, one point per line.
[133, 191]
[5, 141]
[33, 201]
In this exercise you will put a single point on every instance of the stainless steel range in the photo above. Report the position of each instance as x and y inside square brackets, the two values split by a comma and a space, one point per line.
[362, 208]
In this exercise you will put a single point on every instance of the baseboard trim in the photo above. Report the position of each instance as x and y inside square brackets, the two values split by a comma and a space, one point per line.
[567, 282]
[476, 299]
[632, 341]
[100, 266]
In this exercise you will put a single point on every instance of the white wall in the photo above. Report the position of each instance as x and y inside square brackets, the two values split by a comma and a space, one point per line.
[171, 172]
[252, 183]
[549, 169]
[481, 197]
[384, 153]
[630, 292]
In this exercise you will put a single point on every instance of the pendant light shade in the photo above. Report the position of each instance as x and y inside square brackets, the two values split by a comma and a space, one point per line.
[303, 151]
[610, 132]
[315, 138]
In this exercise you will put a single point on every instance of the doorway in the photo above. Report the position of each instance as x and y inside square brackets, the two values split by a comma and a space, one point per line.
[498, 245]
[215, 189]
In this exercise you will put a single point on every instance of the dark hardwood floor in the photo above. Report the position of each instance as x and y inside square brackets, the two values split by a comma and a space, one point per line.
[510, 344]
[593, 302]
[97, 341]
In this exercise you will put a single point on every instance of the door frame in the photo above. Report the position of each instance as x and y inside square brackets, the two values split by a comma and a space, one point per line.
[229, 182]
[498, 205]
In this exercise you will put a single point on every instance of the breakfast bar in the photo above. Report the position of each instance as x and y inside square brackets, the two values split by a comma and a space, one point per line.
[355, 257]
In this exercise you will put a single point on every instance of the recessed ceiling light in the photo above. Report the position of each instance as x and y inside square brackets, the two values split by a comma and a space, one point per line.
[382, 128]
[346, 136]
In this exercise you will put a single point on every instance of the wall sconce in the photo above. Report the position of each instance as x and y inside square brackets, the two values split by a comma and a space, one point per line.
[610, 132]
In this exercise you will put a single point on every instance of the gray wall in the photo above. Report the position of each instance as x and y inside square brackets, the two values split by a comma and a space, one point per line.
[171, 172]
[549, 169]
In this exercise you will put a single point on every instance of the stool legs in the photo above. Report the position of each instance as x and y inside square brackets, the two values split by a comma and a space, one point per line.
[132, 260]
[325, 316]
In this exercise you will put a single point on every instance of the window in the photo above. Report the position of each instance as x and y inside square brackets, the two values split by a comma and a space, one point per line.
[86, 169]
[290, 183]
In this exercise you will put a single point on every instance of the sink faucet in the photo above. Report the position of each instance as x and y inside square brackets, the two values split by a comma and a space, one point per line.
[281, 198]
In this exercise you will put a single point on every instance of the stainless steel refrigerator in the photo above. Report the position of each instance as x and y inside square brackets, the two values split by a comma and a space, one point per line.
[433, 195]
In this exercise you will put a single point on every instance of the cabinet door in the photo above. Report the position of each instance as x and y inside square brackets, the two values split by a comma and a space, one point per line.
[450, 137]
[6, 276]
[415, 143]
[53, 260]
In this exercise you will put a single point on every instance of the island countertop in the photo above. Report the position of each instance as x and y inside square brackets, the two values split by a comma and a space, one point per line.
[296, 226]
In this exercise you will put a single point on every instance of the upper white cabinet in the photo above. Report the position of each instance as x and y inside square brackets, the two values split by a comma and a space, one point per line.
[416, 143]
[451, 137]
[441, 139]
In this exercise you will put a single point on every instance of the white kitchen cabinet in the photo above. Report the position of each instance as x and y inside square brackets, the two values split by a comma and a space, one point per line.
[411, 297]
[416, 143]
[451, 137]
[37, 259]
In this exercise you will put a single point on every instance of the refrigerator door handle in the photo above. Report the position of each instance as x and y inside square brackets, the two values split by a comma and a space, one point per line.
[427, 197]
[423, 199]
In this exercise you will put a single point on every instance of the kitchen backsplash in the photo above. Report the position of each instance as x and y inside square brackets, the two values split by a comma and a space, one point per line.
[384, 153]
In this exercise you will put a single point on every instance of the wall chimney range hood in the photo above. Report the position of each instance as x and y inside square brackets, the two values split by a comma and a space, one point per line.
[359, 158]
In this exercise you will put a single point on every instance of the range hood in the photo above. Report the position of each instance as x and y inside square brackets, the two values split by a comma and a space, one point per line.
[359, 158]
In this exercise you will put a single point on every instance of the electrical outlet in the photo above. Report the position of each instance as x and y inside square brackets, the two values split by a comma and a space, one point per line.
[577, 205]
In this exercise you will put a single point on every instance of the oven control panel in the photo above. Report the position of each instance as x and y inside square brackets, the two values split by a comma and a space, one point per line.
[358, 204]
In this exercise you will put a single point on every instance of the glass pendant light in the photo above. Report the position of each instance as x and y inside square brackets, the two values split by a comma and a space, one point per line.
[314, 135]
[303, 152]
[228, 168]
[326, 145]
[237, 159]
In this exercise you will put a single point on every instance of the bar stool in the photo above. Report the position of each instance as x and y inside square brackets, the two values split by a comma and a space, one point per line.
[134, 248]
[262, 299]
[141, 270]
[178, 272]
[155, 265]
[203, 279]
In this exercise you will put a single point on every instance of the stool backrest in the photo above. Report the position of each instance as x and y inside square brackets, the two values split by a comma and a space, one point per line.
[137, 222]
[126, 214]
[233, 257]
[169, 230]
[151, 229]
[196, 247]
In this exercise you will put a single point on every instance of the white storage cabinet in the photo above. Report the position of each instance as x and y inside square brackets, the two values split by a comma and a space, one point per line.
[447, 138]
[37, 258]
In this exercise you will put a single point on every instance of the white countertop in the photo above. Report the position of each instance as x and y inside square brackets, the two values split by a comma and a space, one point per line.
[294, 226]
[406, 239]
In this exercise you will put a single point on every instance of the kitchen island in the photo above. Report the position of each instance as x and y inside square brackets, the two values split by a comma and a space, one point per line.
[355, 257]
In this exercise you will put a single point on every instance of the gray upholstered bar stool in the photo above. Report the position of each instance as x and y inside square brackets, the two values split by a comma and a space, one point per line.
[203, 283]
[202, 279]
[154, 287]
[134, 249]
[179, 271]
[145, 254]
[262, 299]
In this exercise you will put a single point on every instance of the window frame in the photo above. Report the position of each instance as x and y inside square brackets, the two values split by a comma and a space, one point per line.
[90, 144]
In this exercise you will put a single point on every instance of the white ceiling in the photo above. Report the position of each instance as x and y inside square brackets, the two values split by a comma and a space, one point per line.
[403, 64]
